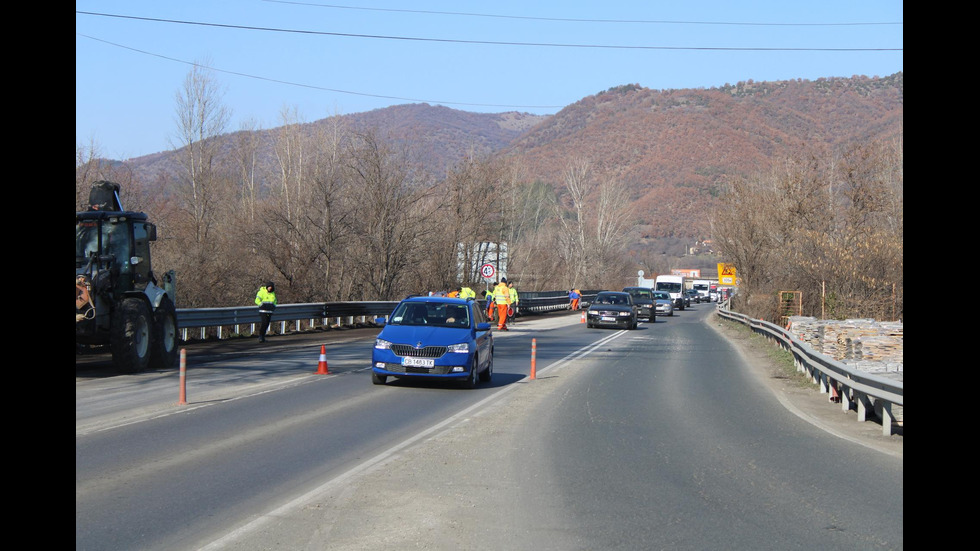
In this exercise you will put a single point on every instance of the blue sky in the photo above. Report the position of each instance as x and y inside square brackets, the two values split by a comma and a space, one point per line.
[322, 58]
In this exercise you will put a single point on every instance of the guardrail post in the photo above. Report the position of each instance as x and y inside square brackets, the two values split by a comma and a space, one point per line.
[886, 418]
[863, 404]
[846, 399]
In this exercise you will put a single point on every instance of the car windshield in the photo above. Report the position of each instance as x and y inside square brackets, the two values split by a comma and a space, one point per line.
[436, 314]
[612, 299]
[641, 294]
[661, 295]
[669, 286]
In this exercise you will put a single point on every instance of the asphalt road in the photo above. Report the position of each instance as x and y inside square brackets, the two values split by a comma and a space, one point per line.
[678, 435]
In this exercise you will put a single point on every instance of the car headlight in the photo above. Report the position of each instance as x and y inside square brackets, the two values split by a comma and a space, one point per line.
[461, 348]
[626, 314]
[382, 344]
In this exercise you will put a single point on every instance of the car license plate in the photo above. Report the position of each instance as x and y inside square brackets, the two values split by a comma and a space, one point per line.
[418, 362]
[608, 318]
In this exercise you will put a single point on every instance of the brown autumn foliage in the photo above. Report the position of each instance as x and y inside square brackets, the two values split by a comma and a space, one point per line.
[378, 205]
[827, 225]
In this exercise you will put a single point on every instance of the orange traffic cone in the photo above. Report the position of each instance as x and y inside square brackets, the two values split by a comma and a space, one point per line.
[583, 317]
[323, 368]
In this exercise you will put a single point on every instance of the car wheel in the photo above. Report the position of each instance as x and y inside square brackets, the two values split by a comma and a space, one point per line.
[487, 373]
[470, 381]
[378, 379]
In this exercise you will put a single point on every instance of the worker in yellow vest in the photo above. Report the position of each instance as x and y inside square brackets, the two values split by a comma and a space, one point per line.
[512, 312]
[501, 297]
[466, 293]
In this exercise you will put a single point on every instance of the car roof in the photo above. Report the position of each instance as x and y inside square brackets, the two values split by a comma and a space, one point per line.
[613, 293]
[438, 300]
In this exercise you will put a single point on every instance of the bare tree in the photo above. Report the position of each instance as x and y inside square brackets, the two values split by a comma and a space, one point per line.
[246, 159]
[201, 118]
[828, 226]
[595, 224]
[389, 219]
[91, 166]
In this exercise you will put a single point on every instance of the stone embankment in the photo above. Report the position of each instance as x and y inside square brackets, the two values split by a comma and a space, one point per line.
[865, 344]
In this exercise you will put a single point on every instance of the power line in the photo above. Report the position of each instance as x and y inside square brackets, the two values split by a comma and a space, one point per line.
[313, 87]
[573, 20]
[484, 42]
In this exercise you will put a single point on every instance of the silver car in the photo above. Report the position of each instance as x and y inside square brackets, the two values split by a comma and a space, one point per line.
[665, 306]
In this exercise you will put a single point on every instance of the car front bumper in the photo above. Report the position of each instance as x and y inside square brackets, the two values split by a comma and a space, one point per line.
[452, 365]
[600, 319]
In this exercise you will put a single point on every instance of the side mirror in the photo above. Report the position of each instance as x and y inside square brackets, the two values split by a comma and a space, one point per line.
[380, 321]
[484, 326]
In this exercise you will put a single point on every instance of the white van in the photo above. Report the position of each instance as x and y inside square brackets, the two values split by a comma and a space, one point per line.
[703, 287]
[673, 284]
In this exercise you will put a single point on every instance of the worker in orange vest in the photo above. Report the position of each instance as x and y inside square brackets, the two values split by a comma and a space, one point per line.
[501, 297]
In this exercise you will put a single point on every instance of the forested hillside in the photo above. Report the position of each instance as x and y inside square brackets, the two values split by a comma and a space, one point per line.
[379, 204]
[676, 149]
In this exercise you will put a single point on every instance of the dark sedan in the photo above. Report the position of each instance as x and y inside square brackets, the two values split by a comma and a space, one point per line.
[612, 309]
[643, 298]
[692, 297]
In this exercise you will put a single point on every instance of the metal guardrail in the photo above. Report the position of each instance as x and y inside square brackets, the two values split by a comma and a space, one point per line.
[322, 313]
[856, 389]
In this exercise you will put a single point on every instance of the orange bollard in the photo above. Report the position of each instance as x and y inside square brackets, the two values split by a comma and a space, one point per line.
[323, 368]
[583, 317]
[834, 397]
[534, 353]
[183, 378]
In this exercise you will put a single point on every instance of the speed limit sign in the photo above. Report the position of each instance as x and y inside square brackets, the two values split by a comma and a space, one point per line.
[487, 271]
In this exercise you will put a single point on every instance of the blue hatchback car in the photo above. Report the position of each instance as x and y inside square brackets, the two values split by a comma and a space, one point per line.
[435, 338]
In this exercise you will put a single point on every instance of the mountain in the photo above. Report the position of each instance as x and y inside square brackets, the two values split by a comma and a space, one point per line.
[674, 149]
[438, 135]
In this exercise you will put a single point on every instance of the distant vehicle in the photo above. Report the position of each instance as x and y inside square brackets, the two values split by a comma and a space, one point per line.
[692, 296]
[435, 338]
[612, 308]
[665, 305]
[703, 287]
[713, 296]
[643, 298]
[674, 285]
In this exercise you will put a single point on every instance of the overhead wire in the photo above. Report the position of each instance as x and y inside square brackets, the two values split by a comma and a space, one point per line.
[576, 20]
[480, 42]
[458, 41]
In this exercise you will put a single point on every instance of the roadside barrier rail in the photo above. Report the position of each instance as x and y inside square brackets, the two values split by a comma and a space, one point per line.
[321, 314]
[857, 389]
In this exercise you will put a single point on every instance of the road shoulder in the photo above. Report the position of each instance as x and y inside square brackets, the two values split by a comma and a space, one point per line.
[803, 398]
